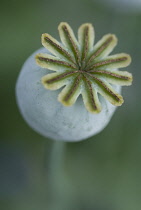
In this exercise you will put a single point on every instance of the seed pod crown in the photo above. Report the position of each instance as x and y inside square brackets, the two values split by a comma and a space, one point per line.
[83, 68]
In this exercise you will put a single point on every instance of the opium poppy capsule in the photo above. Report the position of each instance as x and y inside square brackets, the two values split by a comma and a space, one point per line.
[78, 98]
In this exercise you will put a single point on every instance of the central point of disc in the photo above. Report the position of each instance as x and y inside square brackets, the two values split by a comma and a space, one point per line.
[82, 71]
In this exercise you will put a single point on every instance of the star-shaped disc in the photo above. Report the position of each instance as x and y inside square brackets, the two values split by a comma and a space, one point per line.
[84, 68]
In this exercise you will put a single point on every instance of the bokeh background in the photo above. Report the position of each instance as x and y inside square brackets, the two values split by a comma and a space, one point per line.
[101, 173]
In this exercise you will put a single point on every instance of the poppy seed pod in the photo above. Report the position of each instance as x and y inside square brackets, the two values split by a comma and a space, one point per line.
[80, 69]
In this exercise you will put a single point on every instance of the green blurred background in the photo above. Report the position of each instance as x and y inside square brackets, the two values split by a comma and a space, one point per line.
[101, 173]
